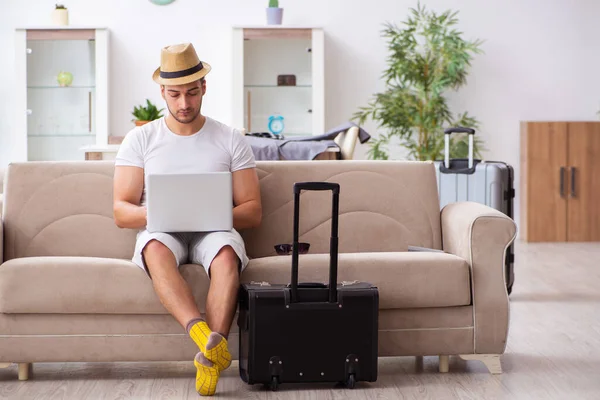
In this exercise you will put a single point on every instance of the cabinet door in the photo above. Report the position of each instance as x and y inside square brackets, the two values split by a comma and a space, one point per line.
[544, 181]
[278, 81]
[584, 182]
[62, 77]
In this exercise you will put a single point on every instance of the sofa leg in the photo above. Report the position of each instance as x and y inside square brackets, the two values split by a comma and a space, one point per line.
[24, 370]
[491, 361]
[444, 361]
[419, 363]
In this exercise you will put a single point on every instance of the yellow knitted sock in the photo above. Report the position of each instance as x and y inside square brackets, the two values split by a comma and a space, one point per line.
[207, 375]
[199, 332]
[217, 351]
[211, 344]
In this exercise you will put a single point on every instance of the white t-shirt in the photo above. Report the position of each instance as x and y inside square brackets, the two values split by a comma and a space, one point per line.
[214, 148]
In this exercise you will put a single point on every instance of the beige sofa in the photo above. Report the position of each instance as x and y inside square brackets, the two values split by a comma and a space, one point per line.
[68, 291]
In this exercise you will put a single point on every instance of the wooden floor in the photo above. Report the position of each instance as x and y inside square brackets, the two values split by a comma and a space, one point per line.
[553, 352]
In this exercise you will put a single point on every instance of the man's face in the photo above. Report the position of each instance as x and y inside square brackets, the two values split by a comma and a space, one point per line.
[184, 101]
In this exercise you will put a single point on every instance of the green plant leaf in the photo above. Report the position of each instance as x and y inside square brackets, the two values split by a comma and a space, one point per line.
[149, 112]
[427, 58]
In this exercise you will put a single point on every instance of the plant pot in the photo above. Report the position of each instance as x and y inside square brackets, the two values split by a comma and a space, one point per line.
[140, 123]
[60, 16]
[274, 15]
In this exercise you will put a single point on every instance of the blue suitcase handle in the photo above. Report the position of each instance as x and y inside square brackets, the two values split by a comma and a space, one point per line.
[459, 167]
[459, 129]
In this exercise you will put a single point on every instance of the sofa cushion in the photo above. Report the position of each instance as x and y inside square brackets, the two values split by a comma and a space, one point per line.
[89, 285]
[384, 206]
[62, 209]
[404, 279]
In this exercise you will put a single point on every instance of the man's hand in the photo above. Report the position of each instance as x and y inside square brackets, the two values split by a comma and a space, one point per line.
[247, 210]
[127, 194]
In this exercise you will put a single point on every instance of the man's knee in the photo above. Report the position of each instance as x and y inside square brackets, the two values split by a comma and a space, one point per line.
[157, 251]
[226, 260]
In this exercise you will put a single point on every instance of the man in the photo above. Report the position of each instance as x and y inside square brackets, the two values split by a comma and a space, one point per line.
[181, 142]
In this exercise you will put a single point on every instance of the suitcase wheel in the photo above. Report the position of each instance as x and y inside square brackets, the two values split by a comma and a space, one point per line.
[351, 381]
[274, 383]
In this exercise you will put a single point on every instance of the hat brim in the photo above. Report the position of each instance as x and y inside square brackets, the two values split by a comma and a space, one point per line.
[184, 79]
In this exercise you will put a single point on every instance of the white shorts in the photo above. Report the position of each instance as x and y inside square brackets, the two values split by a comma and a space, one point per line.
[192, 247]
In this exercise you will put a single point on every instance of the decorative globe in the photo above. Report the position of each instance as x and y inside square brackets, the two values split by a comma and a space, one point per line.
[65, 78]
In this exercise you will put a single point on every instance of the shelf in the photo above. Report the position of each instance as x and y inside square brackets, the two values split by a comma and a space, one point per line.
[60, 28]
[61, 87]
[278, 86]
[78, 135]
[288, 135]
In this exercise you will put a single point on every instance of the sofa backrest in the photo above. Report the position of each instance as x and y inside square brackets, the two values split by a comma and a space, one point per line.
[62, 209]
[384, 206]
[65, 208]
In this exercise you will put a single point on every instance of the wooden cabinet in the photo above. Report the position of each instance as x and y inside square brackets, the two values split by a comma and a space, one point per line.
[560, 181]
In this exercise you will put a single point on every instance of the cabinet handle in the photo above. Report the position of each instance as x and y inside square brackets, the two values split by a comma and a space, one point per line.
[90, 111]
[573, 182]
[562, 181]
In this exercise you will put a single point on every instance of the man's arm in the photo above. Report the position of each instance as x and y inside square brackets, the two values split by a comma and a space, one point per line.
[127, 193]
[247, 210]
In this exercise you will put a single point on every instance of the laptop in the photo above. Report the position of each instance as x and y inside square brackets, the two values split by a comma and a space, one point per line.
[198, 202]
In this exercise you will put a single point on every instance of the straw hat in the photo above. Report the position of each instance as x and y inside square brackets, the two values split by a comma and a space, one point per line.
[179, 64]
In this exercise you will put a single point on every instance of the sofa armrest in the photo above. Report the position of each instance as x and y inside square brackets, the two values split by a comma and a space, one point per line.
[1, 238]
[481, 235]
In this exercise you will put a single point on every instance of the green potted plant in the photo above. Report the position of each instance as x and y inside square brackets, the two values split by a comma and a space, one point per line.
[60, 15]
[145, 114]
[274, 13]
[428, 57]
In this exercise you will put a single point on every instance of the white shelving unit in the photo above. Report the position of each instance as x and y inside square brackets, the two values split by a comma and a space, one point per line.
[54, 122]
[260, 55]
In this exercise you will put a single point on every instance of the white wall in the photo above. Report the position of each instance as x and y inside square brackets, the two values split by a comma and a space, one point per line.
[541, 57]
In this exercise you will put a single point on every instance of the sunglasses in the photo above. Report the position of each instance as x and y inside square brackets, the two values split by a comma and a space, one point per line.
[286, 248]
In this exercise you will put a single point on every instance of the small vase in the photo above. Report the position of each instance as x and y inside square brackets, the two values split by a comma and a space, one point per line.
[274, 15]
[140, 123]
[64, 78]
[60, 16]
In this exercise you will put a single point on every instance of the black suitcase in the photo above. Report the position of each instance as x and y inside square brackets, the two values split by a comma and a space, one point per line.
[309, 332]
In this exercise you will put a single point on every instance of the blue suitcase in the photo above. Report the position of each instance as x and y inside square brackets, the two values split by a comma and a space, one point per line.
[487, 182]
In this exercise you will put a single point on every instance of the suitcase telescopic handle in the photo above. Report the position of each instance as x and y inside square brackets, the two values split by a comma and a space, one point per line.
[333, 249]
[315, 186]
[450, 131]
[459, 129]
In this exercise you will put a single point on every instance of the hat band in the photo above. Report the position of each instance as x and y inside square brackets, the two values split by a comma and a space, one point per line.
[181, 74]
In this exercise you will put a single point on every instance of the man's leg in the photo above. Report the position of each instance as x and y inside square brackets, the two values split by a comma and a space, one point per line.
[161, 262]
[220, 253]
[220, 307]
[172, 290]
[220, 310]
[221, 303]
